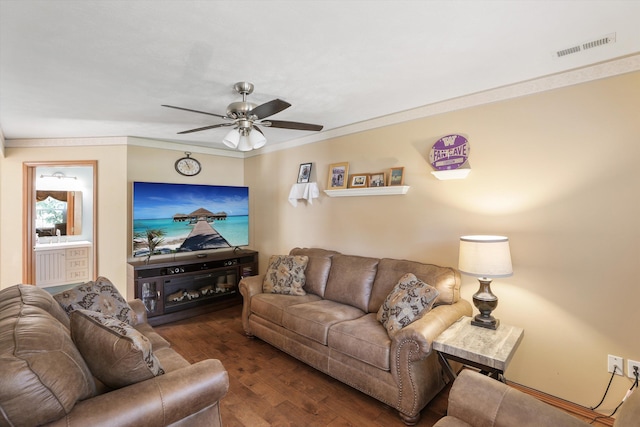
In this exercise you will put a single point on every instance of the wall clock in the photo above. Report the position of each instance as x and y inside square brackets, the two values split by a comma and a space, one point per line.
[188, 166]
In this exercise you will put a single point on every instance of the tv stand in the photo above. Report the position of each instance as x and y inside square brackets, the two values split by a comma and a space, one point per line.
[180, 288]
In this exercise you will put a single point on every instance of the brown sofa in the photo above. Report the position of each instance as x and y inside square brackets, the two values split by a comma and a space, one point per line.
[334, 329]
[478, 401]
[44, 380]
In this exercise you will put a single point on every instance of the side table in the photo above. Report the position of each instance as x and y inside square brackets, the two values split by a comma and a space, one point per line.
[486, 349]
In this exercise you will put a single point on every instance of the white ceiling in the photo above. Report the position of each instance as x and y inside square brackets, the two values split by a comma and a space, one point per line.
[103, 68]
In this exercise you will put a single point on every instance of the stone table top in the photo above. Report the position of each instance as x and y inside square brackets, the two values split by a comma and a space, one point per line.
[488, 347]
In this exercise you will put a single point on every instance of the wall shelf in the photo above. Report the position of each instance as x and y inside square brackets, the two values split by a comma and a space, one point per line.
[369, 191]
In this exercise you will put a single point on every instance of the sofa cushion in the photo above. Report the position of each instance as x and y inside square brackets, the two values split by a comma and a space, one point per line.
[285, 275]
[351, 279]
[364, 339]
[101, 296]
[271, 306]
[42, 374]
[117, 354]
[409, 300]
[318, 267]
[313, 319]
[445, 279]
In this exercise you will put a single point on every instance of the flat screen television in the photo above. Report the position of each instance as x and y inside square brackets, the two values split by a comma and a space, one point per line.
[179, 218]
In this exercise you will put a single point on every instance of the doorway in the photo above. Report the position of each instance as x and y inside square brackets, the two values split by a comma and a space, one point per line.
[60, 205]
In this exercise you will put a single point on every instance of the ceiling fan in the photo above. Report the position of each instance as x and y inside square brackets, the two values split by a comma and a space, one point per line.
[244, 116]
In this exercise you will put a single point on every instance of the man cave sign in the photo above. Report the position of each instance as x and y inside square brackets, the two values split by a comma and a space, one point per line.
[449, 152]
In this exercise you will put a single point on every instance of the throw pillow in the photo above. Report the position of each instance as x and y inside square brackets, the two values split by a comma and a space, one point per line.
[101, 296]
[115, 352]
[285, 275]
[408, 301]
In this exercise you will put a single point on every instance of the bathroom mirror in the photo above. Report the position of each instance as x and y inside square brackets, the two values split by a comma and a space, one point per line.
[58, 213]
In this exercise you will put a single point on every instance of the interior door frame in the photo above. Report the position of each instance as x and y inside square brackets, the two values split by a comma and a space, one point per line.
[29, 209]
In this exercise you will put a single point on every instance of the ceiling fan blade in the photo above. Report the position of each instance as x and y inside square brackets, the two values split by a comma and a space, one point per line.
[196, 111]
[205, 128]
[258, 129]
[269, 108]
[291, 125]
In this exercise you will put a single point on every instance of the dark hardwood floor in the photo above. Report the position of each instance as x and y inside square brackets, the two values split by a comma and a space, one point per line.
[270, 388]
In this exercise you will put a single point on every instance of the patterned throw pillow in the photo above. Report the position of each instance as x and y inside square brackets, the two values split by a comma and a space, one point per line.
[116, 353]
[408, 301]
[101, 296]
[285, 275]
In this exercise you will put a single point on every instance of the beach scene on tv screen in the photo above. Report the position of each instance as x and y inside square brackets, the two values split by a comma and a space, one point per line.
[171, 218]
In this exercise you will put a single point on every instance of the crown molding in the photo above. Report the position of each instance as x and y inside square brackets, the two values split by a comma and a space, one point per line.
[66, 142]
[168, 145]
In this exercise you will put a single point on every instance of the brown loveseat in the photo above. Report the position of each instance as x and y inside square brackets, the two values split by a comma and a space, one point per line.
[334, 329]
[478, 401]
[44, 380]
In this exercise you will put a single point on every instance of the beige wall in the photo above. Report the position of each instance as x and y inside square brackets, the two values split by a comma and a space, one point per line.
[556, 172]
[112, 199]
[118, 166]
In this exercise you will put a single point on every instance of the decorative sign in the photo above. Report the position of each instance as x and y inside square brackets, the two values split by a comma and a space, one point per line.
[449, 152]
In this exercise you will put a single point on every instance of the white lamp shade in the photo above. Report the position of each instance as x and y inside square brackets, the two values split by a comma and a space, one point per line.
[485, 256]
[244, 144]
[232, 139]
[256, 139]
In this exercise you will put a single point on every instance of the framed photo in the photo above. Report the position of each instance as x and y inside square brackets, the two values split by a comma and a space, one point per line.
[359, 181]
[304, 173]
[377, 179]
[396, 177]
[338, 176]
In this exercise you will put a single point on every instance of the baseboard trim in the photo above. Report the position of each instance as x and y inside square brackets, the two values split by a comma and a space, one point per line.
[570, 407]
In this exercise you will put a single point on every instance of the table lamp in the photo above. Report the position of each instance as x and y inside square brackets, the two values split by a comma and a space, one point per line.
[485, 257]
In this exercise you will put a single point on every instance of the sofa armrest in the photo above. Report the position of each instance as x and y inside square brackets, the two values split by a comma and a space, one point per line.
[249, 286]
[162, 400]
[140, 311]
[482, 401]
[629, 411]
[426, 329]
[415, 369]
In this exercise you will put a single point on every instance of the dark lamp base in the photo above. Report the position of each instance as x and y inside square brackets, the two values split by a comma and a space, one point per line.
[493, 323]
[485, 301]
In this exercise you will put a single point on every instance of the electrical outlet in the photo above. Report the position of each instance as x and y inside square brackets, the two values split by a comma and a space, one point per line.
[631, 365]
[617, 362]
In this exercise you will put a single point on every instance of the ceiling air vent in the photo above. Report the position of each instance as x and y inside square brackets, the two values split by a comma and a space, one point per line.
[602, 41]
[569, 51]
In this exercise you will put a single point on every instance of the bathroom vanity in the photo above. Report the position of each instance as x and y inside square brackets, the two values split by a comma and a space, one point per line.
[59, 263]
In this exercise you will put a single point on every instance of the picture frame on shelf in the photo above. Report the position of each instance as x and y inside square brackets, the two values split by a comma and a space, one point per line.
[338, 176]
[396, 176]
[304, 173]
[359, 181]
[377, 179]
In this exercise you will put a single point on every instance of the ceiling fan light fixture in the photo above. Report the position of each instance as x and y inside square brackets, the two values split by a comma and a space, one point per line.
[244, 144]
[256, 139]
[244, 115]
[232, 139]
